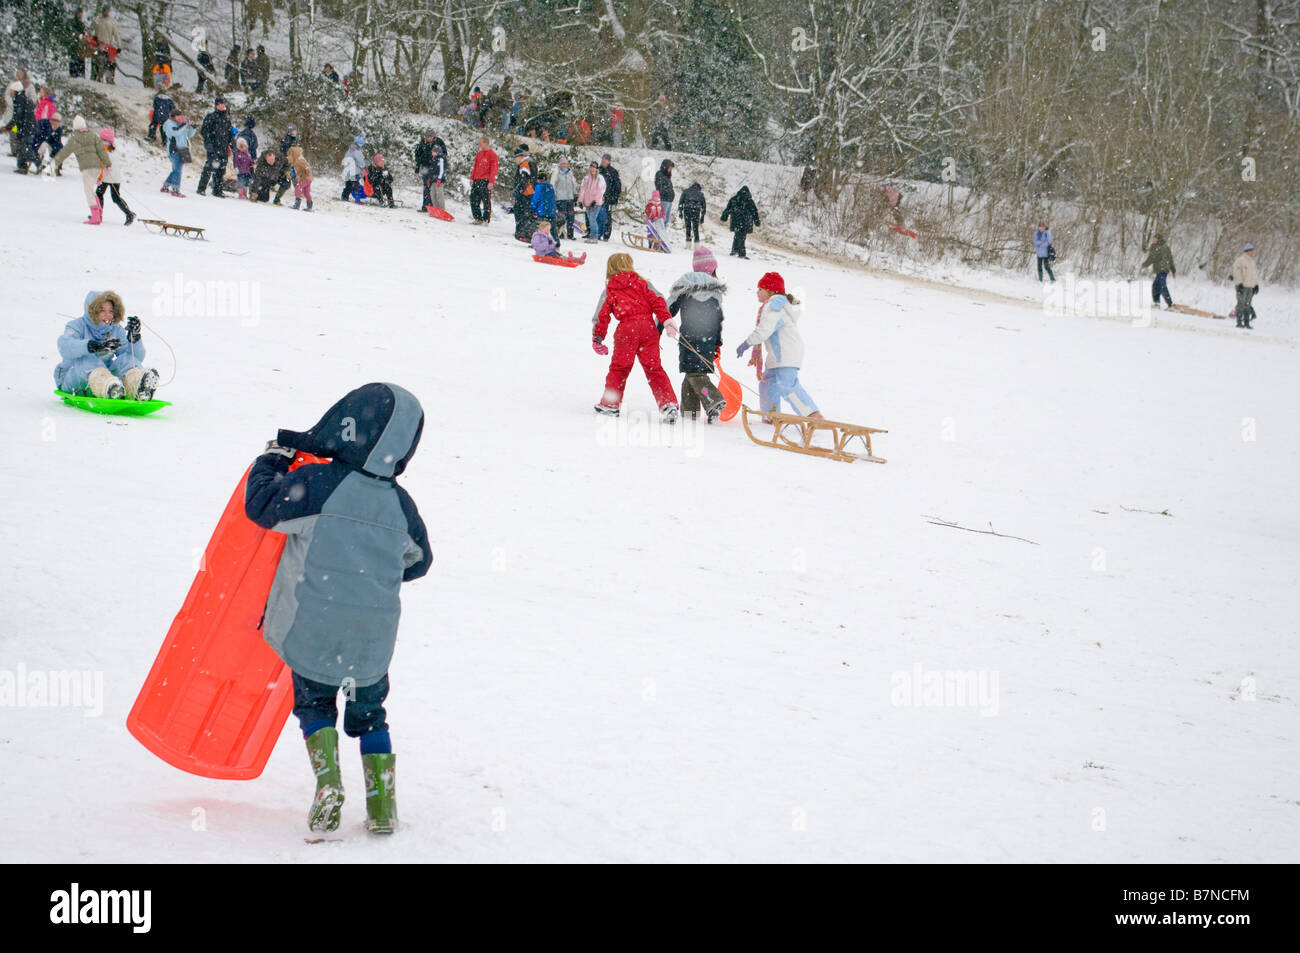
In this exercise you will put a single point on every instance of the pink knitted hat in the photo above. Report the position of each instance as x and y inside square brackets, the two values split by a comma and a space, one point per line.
[704, 261]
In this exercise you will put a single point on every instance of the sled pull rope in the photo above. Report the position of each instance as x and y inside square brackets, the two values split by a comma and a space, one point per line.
[713, 367]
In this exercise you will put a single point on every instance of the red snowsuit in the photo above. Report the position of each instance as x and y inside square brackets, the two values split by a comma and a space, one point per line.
[641, 313]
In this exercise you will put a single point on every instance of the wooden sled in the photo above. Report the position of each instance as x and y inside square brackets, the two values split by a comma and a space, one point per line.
[1196, 311]
[191, 232]
[633, 240]
[806, 429]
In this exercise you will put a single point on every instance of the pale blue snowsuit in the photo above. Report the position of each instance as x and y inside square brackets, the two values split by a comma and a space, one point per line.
[77, 363]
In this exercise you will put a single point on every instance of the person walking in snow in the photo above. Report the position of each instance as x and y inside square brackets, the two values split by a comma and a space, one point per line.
[1161, 260]
[92, 158]
[178, 133]
[287, 142]
[1245, 277]
[218, 134]
[778, 331]
[353, 537]
[248, 73]
[482, 176]
[354, 166]
[695, 299]
[693, 207]
[102, 357]
[301, 177]
[207, 69]
[232, 68]
[642, 316]
[1043, 249]
[743, 214]
[566, 195]
[112, 177]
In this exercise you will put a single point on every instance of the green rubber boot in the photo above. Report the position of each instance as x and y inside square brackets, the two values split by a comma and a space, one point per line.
[381, 792]
[323, 749]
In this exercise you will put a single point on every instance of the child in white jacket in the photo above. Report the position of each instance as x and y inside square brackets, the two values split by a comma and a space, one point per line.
[778, 376]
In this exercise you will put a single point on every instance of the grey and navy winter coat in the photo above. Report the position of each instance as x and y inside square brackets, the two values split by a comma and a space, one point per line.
[354, 536]
[696, 298]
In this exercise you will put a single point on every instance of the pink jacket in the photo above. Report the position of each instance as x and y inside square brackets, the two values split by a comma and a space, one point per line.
[45, 108]
[592, 191]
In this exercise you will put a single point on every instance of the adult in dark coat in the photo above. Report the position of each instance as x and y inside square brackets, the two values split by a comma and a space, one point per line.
[431, 164]
[613, 192]
[217, 134]
[74, 39]
[24, 122]
[522, 193]
[268, 171]
[287, 142]
[743, 214]
[664, 185]
[692, 207]
[232, 68]
[249, 136]
[205, 64]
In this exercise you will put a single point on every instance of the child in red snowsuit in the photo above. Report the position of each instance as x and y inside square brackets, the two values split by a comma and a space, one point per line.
[642, 314]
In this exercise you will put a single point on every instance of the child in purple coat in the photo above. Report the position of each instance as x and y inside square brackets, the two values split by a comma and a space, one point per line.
[545, 245]
[243, 166]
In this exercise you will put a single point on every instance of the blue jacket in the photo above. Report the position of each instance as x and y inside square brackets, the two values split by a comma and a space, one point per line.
[1042, 238]
[47, 133]
[543, 199]
[354, 536]
[181, 135]
[79, 332]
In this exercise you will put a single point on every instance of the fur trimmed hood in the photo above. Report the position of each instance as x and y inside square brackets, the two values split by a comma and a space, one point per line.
[96, 298]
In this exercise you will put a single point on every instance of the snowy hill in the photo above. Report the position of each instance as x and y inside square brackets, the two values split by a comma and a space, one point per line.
[650, 643]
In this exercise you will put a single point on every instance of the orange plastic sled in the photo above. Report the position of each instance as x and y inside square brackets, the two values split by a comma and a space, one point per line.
[435, 212]
[730, 388]
[562, 262]
[218, 696]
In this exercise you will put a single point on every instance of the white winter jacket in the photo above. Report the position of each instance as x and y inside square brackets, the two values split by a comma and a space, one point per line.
[1244, 271]
[778, 329]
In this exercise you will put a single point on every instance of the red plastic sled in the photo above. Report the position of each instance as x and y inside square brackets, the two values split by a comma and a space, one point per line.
[901, 229]
[562, 262]
[435, 212]
[730, 388]
[218, 696]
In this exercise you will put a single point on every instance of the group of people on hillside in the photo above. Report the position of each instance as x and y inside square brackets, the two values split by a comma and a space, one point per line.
[1160, 258]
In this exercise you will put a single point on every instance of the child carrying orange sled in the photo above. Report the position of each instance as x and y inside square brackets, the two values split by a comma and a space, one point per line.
[642, 315]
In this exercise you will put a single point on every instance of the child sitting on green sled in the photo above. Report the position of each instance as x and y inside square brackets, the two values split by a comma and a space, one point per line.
[101, 357]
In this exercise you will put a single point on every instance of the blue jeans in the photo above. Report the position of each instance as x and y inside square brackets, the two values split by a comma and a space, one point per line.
[316, 706]
[174, 180]
[600, 222]
[783, 382]
[668, 213]
[1159, 287]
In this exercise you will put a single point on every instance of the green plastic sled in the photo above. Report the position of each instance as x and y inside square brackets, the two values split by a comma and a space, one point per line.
[116, 406]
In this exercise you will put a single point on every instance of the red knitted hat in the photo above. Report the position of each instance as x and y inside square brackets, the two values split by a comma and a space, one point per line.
[772, 282]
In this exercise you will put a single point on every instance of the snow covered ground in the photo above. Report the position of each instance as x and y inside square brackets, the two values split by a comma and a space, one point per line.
[642, 643]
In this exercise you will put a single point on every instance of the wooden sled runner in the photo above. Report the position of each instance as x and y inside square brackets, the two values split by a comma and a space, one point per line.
[167, 228]
[806, 429]
[1196, 311]
[633, 240]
